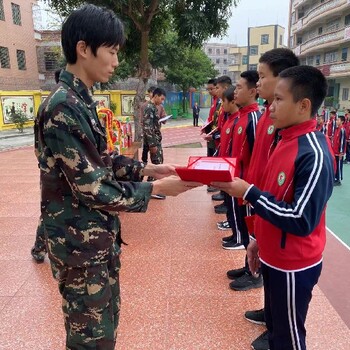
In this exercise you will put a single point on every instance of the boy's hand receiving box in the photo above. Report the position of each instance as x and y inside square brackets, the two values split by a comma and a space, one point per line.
[208, 169]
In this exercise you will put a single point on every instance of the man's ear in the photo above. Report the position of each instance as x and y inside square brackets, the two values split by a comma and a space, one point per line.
[81, 48]
[305, 105]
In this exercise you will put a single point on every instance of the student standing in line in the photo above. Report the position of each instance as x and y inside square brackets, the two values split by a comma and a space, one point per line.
[339, 148]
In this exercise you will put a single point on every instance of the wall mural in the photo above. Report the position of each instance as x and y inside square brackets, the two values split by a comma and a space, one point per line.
[103, 101]
[12, 104]
[127, 104]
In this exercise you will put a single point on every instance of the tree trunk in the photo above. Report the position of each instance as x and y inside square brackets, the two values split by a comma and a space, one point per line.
[144, 73]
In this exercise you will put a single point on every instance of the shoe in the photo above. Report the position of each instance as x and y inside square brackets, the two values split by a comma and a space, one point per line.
[150, 179]
[247, 282]
[261, 342]
[222, 209]
[256, 316]
[237, 273]
[219, 205]
[227, 239]
[212, 189]
[219, 223]
[337, 183]
[232, 245]
[39, 257]
[158, 196]
[217, 197]
[225, 226]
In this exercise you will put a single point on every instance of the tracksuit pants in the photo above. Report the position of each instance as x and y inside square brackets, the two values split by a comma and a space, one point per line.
[287, 298]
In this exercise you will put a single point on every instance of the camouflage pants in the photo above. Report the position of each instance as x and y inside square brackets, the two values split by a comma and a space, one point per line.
[91, 304]
[39, 248]
[157, 158]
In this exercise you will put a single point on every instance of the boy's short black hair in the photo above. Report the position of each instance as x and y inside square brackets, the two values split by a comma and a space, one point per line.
[57, 74]
[333, 112]
[224, 80]
[279, 59]
[306, 82]
[151, 89]
[229, 93]
[96, 26]
[342, 118]
[251, 77]
[159, 92]
[212, 81]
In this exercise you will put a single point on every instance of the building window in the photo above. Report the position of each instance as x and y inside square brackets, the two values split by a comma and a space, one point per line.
[51, 61]
[21, 60]
[310, 60]
[225, 61]
[320, 30]
[244, 59]
[224, 72]
[301, 13]
[16, 14]
[4, 57]
[264, 39]
[210, 51]
[318, 60]
[345, 94]
[347, 20]
[218, 51]
[330, 57]
[225, 51]
[344, 54]
[299, 40]
[217, 60]
[281, 39]
[253, 50]
[253, 67]
[2, 13]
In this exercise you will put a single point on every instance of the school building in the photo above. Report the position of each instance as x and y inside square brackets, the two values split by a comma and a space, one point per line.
[319, 33]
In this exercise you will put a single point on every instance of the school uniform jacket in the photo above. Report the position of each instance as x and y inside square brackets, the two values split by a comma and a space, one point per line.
[331, 126]
[339, 141]
[290, 206]
[226, 135]
[322, 128]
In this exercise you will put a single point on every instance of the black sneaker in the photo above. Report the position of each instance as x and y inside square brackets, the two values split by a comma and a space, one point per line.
[212, 189]
[222, 209]
[256, 316]
[39, 257]
[220, 223]
[219, 205]
[247, 282]
[237, 273]
[261, 342]
[158, 196]
[337, 183]
[232, 245]
[224, 226]
[217, 197]
[227, 239]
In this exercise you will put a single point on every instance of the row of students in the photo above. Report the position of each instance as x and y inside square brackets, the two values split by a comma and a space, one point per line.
[276, 183]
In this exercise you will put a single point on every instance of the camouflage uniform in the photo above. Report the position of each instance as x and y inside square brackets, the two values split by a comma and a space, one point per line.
[151, 132]
[80, 200]
[39, 249]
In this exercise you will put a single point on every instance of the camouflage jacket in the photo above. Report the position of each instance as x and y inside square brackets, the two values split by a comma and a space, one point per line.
[82, 186]
[151, 126]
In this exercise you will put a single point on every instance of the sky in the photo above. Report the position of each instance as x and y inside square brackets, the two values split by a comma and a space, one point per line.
[253, 13]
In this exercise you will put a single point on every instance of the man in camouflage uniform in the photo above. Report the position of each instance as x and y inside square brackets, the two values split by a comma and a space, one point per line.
[83, 187]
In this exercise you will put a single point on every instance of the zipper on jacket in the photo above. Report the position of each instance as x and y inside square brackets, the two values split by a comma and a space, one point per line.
[283, 240]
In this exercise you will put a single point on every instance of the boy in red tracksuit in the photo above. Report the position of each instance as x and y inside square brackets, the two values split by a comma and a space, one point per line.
[347, 132]
[290, 206]
[331, 125]
[339, 148]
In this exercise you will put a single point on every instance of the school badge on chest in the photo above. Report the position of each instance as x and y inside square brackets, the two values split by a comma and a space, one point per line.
[281, 179]
[271, 129]
[227, 131]
[240, 130]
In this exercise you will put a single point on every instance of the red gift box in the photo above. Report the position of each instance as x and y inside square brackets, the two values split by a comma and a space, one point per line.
[208, 169]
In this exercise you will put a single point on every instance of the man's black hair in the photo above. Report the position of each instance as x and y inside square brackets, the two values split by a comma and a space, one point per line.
[57, 75]
[159, 92]
[342, 118]
[333, 112]
[151, 89]
[279, 59]
[251, 77]
[306, 82]
[96, 26]
[212, 81]
[224, 80]
[229, 93]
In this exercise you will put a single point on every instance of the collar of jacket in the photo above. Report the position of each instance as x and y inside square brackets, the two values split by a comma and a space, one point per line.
[298, 130]
[79, 87]
[249, 108]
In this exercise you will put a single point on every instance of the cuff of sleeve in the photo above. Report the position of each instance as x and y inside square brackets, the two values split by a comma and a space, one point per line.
[246, 192]
[252, 195]
[146, 188]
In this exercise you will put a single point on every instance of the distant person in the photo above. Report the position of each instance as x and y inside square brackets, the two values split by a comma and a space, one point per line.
[331, 125]
[339, 148]
[195, 110]
[321, 125]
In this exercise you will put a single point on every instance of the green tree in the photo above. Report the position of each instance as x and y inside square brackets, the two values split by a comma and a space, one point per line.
[147, 21]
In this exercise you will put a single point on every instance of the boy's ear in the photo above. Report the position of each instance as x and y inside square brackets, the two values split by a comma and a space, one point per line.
[305, 105]
[81, 48]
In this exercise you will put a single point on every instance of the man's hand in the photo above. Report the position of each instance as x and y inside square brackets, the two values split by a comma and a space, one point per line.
[236, 188]
[172, 186]
[208, 137]
[160, 171]
[253, 257]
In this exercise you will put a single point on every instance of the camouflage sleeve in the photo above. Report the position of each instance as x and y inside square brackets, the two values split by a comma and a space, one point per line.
[75, 147]
[127, 169]
[149, 120]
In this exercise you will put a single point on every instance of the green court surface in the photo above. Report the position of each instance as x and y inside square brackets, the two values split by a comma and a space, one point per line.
[338, 210]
